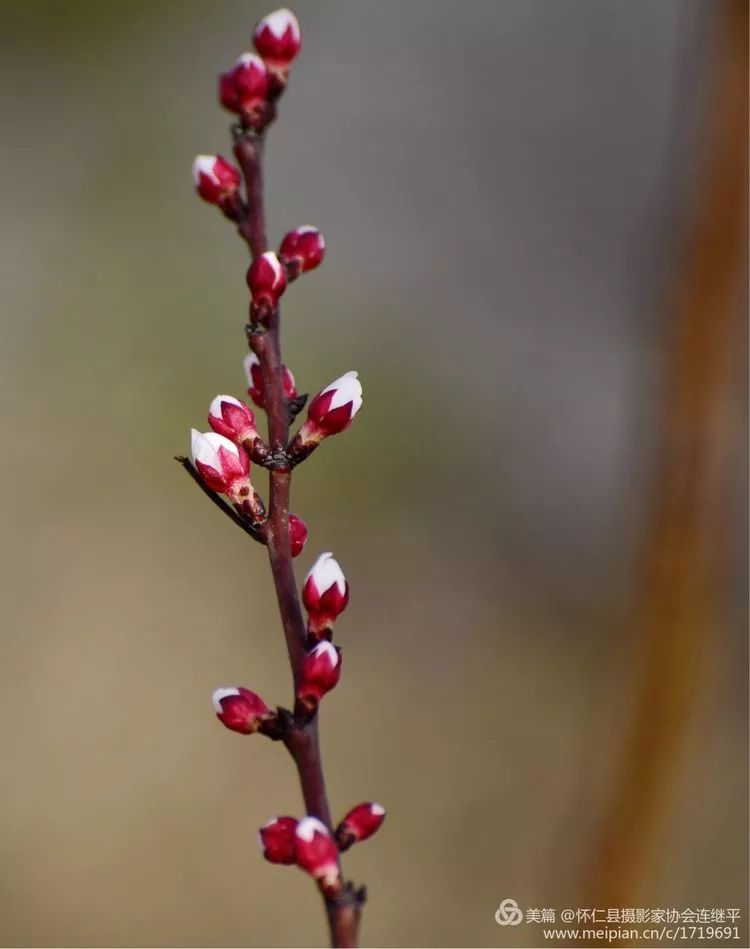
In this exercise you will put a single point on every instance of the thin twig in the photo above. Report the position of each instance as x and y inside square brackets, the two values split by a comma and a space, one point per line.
[302, 740]
[257, 532]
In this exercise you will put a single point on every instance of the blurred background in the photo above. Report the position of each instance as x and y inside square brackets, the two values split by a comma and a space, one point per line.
[535, 218]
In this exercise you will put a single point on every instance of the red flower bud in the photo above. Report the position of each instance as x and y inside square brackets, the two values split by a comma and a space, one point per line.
[316, 851]
[232, 419]
[240, 710]
[331, 411]
[266, 278]
[320, 672]
[216, 181]
[277, 840]
[244, 88]
[223, 466]
[256, 388]
[301, 250]
[297, 534]
[325, 594]
[360, 823]
[334, 408]
[277, 38]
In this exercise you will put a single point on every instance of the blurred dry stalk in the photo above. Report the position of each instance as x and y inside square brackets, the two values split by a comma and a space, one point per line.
[676, 602]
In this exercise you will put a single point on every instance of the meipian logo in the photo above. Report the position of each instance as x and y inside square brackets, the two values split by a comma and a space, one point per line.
[508, 913]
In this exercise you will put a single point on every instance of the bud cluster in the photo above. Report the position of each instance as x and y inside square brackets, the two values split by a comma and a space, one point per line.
[256, 80]
[301, 250]
[310, 845]
[223, 457]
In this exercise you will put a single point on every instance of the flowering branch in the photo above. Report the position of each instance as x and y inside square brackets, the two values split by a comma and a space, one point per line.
[221, 465]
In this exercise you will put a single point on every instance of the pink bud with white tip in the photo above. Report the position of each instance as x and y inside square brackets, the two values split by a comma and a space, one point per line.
[235, 421]
[330, 412]
[301, 250]
[278, 40]
[359, 823]
[316, 851]
[221, 464]
[325, 594]
[256, 386]
[277, 840]
[216, 180]
[244, 89]
[240, 710]
[232, 419]
[319, 673]
[266, 278]
[225, 468]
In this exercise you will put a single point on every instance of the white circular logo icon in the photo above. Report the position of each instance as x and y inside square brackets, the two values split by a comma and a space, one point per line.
[508, 913]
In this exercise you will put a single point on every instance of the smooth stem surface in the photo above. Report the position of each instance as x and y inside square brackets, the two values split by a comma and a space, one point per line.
[302, 741]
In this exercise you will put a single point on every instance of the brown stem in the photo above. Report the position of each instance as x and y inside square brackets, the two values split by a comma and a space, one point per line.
[343, 919]
[304, 747]
[302, 740]
[248, 149]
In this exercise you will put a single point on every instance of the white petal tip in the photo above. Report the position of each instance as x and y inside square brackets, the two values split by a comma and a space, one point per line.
[324, 648]
[348, 389]
[220, 694]
[203, 165]
[326, 571]
[215, 407]
[250, 59]
[279, 21]
[308, 827]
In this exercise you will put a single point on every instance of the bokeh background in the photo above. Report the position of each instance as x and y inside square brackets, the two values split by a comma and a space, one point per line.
[510, 192]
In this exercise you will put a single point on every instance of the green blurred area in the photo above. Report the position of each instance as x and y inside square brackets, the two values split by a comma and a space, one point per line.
[498, 190]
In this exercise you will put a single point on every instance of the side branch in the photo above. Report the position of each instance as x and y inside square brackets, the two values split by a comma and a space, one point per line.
[256, 531]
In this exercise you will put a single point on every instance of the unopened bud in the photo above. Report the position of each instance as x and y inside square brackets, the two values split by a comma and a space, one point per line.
[277, 38]
[316, 851]
[216, 181]
[244, 88]
[232, 419]
[266, 279]
[297, 534]
[325, 594]
[225, 468]
[256, 387]
[331, 411]
[319, 673]
[359, 823]
[301, 250]
[277, 840]
[240, 710]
